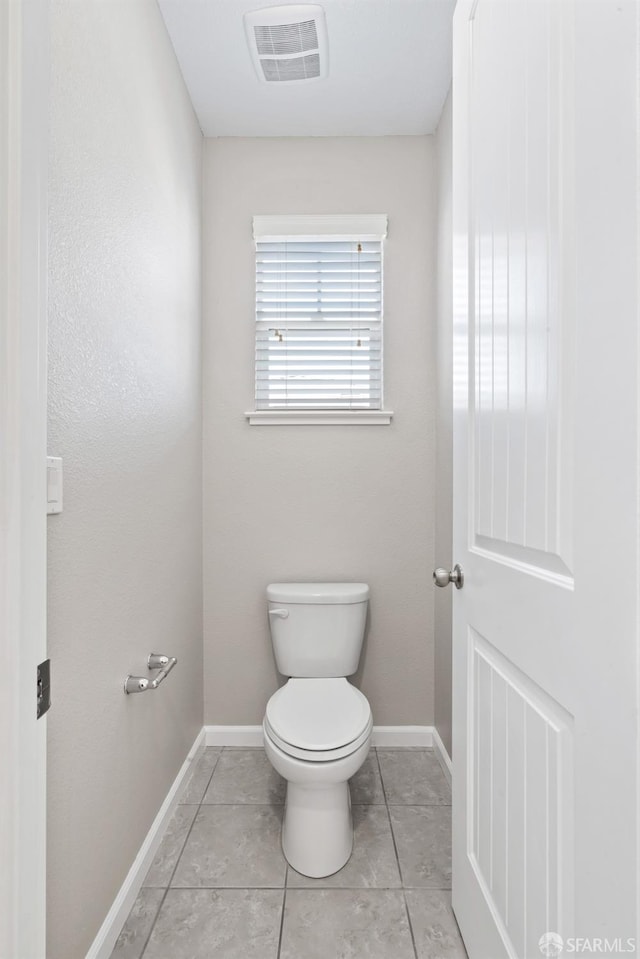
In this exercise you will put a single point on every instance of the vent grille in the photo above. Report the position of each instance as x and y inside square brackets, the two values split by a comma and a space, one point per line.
[286, 38]
[299, 68]
[288, 42]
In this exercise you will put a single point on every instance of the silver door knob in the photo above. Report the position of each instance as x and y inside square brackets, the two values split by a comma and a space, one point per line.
[442, 577]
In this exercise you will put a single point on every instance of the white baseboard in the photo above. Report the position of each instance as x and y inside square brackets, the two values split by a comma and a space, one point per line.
[442, 754]
[382, 736]
[103, 944]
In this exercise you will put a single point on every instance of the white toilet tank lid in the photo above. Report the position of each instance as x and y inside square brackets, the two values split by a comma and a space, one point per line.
[324, 594]
[318, 713]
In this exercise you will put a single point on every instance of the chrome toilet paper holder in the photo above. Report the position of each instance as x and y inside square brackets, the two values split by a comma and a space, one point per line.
[140, 684]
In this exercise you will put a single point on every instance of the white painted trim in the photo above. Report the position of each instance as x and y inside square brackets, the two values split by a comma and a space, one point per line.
[249, 736]
[103, 944]
[24, 90]
[319, 417]
[443, 756]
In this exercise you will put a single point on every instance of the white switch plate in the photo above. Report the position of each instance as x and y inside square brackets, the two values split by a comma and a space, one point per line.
[54, 484]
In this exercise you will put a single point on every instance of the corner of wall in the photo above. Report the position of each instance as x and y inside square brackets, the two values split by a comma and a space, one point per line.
[444, 426]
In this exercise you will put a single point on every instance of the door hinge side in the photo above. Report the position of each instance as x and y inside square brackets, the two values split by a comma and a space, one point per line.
[43, 688]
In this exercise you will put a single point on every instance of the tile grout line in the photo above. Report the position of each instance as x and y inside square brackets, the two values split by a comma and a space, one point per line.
[158, 907]
[278, 804]
[284, 903]
[393, 838]
[203, 803]
[309, 888]
[179, 856]
[404, 891]
[395, 847]
[406, 907]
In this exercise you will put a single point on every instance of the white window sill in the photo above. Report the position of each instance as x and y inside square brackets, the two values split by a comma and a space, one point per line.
[319, 417]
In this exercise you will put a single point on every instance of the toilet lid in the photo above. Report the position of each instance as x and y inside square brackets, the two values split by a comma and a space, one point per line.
[318, 714]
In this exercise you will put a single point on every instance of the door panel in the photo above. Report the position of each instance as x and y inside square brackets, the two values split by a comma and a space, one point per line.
[520, 837]
[516, 199]
[546, 320]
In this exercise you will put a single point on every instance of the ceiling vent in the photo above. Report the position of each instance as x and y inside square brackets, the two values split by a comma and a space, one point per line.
[288, 43]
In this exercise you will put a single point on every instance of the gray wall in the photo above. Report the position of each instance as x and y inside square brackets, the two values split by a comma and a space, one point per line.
[125, 413]
[317, 503]
[444, 418]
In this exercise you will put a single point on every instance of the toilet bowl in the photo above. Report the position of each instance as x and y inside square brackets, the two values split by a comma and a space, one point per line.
[317, 734]
[317, 727]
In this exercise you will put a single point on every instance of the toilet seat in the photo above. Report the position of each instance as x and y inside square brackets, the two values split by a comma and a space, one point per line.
[318, 720]
[317, 755]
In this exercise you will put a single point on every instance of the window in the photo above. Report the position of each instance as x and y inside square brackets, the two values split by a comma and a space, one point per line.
[319, 318]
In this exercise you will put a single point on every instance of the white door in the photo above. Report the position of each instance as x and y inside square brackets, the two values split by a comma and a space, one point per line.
[545, 739]
[23, 209]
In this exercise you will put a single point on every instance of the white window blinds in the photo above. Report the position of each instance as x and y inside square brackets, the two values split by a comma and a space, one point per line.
[319, 313]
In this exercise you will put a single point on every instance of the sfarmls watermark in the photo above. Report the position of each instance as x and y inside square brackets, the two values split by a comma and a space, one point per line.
[552, 944]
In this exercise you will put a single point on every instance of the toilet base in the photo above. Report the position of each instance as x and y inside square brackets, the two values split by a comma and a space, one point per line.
[317, 832]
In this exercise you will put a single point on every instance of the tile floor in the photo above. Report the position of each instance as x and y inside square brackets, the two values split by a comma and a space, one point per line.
[220, 888]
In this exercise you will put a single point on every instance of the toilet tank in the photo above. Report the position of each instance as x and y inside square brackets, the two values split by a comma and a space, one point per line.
[317, 629]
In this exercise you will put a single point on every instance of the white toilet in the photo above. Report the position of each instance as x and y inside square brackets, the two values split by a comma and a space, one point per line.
[317, 727]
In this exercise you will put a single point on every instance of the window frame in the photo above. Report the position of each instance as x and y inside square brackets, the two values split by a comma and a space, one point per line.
[311, 228]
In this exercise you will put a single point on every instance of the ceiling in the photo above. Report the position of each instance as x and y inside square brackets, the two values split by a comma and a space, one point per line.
[389, 70]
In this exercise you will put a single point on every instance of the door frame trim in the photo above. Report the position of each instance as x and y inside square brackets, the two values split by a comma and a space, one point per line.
[23, 415]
